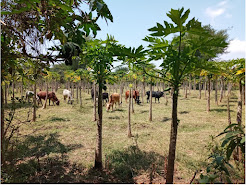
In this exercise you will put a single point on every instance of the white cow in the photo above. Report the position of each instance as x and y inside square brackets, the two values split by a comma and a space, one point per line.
[30, 94]
[67, 94]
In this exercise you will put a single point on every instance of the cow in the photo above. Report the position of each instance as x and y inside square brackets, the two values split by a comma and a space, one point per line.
[156, 94]
[105, 96]
[67, 94]
[30, 94]
[113, 99]
[51, 96]
[135, 96]
[92, 94]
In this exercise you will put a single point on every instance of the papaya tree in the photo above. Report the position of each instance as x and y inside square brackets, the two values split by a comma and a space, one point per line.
[100, 54]
[179, 60]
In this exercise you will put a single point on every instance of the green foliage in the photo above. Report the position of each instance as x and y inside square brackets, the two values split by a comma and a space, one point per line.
[234, 137]
[180, 56]
[100, 54]
[219, 169]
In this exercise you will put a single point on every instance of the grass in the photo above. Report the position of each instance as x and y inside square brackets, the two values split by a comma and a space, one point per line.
[73, 128]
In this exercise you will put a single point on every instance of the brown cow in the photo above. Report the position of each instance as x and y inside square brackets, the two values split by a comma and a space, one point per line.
[51, 96]
[135, 96]
[115, 97]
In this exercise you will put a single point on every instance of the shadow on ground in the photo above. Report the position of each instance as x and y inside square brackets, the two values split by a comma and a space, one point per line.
[43, 159]
[129, 164]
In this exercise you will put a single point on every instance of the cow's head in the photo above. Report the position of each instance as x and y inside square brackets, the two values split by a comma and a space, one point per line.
[108, 105]
[162, 94]
[57, 102]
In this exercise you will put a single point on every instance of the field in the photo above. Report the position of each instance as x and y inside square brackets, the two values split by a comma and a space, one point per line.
[63, 139]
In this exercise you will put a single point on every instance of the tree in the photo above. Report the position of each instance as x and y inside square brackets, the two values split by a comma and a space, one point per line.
[179, 59]
[100, 53]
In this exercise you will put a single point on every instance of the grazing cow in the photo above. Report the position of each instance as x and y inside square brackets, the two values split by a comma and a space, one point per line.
[156, 94]
[30, 94]
[67, 94]
[92, 94]
[105, 96]
[51, 96]
[135, 96]
[113, 99]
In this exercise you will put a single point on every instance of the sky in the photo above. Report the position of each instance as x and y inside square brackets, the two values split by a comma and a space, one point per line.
[133, 18]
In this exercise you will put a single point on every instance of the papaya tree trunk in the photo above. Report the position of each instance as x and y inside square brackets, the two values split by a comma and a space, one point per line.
[209, 89]
[13, 91]
[221, 89]
[6, 94]
[131, 98]
[239, 116]
[2, 126]
[228, 109]
[150, 102]
[186, 87]
[173, 137]
[46, 98]
[98, 152]
[205, 87]
[34, 102]
[95, 102]
[200, 87]
[80, 95]
[129, 133]
[216, 91]
[239, 105]
[77, 92]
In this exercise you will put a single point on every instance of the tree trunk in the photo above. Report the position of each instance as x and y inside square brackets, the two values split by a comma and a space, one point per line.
[205, 87]
[131, 98]
[228, 109]
[173, 138]
[239, 105]
[21, 88]
[194, 87]
[95, 102]
[142, 92]
[222, 89]
[98, 151]
[239, 116]
[34, 102]
[243, 92]
[200, 87]
[129, 133]
[77, 92]
[209, 89]
[190, 85]
[46, 98]
[6, 94]
[2, 126]
[216, 91]
[150, 102]
[121, 92]
[13, 91]
[186, 87]
[80, 95]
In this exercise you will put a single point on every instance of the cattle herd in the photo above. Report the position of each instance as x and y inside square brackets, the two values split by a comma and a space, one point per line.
[110, 100]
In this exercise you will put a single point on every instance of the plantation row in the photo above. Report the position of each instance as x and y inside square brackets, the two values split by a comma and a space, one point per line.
[37, 34]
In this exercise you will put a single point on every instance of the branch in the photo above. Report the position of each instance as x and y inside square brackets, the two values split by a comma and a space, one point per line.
[155, 76]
